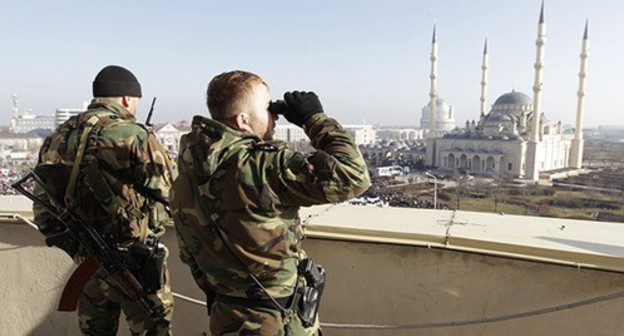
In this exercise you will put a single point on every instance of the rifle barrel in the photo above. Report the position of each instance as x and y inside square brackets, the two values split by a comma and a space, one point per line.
[148, 121]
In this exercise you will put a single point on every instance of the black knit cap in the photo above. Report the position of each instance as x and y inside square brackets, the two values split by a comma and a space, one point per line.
[116, 81]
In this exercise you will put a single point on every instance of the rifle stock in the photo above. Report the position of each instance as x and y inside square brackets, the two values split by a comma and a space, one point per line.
[97, 248]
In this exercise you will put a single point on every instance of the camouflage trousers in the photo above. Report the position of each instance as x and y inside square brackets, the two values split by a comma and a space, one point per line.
[100, 305]
[231, 320]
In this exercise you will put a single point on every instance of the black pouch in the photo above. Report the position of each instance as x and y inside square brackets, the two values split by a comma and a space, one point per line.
[151, 258]
[210, 299]
[310, 295]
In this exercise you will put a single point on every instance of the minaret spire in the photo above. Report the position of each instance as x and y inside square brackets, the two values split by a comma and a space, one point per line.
[484, 76]
[15, 105]
[534, 157]
[576, 155]
[433, 95]
[537, 85]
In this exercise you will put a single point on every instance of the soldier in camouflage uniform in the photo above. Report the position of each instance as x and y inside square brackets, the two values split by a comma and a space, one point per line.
[139, 172]
[252, 186]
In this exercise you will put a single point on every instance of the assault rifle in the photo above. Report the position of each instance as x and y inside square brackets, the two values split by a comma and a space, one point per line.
[148, 120]
[101, 253]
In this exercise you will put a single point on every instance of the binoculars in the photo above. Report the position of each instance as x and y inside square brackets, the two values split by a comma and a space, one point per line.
[279, 107]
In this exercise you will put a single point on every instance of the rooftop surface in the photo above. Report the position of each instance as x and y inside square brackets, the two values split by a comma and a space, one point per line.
[584, 244]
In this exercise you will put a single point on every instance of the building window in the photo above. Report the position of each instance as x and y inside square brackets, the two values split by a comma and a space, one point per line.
[509, 165]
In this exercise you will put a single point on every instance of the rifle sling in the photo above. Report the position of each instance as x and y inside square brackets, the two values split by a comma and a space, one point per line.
[260, 303]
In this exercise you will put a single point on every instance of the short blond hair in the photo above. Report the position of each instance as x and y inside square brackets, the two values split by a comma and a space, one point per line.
[228, 93]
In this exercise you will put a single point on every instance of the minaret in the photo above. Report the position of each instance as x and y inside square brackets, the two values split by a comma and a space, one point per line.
[533, 151]
[15, 105]
[433, 95]
[484, 73]
[576, 154]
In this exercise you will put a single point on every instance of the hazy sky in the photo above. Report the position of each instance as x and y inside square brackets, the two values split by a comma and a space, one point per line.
[367, 60]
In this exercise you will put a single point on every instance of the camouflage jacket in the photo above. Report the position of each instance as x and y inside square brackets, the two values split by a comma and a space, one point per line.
[253, 189]
[131, 160]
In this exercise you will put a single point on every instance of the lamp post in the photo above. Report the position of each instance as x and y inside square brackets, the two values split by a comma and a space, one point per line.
[435, 189]
[495, 184]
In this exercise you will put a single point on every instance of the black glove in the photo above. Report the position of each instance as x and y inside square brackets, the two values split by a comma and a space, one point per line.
[301, 106]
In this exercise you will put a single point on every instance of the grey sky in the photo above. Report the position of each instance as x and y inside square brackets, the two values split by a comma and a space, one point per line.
[367, 60]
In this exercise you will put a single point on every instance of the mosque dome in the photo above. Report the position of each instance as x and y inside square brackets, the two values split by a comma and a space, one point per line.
[514, 98]
[445, 116]
[513, 103]
[498, 117]
[442, 104]
[498, 123]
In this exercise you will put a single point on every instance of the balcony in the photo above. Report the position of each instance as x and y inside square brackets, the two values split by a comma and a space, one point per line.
[391, 271]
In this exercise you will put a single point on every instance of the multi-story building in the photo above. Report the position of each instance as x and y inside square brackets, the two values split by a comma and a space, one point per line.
[20, 141]
[31, 122]
[169, 136]
[290, 133]
[399, 134]
[362, 134]
[63, 114]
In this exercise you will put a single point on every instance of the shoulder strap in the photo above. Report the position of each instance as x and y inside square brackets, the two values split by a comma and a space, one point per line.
[71, 185]
[94, 178]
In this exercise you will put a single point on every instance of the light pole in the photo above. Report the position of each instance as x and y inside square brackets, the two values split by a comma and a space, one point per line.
[495, 184]
[435, 189]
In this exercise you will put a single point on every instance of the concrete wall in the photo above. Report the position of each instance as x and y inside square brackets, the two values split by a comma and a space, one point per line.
[368, 283]
[31, 280]
[32, 277]
[392, 284]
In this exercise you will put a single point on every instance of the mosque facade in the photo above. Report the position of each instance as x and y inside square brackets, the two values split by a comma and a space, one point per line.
[510, 139]
[498, 143]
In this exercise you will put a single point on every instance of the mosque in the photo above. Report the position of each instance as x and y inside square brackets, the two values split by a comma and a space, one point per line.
[445, 117]
[511, 139]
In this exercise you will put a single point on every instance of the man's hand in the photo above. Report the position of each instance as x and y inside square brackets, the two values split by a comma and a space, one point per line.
[301, 106]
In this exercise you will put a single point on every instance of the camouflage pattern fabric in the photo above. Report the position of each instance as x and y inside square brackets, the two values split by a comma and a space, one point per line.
[254, 189]
[100, 305]
[129, 157]
[233, 320]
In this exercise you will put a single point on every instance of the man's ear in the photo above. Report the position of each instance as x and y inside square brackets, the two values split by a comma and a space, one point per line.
[125, 101]
[243, 123]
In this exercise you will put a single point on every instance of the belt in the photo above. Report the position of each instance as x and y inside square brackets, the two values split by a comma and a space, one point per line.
[285, 302]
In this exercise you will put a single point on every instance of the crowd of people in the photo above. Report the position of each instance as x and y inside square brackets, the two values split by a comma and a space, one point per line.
[6, 180]
[395, 198]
